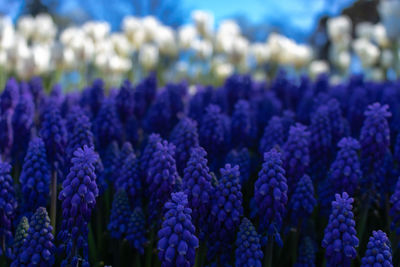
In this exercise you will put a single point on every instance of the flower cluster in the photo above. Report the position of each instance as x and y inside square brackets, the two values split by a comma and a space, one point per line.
[379, 250]
[248, 252]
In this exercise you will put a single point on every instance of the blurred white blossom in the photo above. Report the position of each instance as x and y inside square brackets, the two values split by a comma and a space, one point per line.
[148, 56]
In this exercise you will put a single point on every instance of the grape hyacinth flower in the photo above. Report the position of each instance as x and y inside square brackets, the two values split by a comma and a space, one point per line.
[320, 142]
[273, 135]
[136, 232]
[226, 211]
[307, 250]
[270, 192]
[20, 236]
[340, 239]
[379, 251]
[107, 126]
[196, 184]
[9, 96]
[159, 118]
[296, 155]
[177, 242]
[185, 137]
[302, 202]
[336, 120]
[395, 210]
[144, 95]
[240, 157]
[242, 128]
[6, 134]
[132, 131]
[212, 131]
[35, 177]
[147, 154]
[345, 172]
[130, 181]
[123, 154]
[374, 140]
[80, 134]
[124, 100]
[22, 123]
[8, 205]
[78, 197]
[38, 248]
[95, 96]
[161, 178]
[120, 212]
[37, 90]
[248, 252]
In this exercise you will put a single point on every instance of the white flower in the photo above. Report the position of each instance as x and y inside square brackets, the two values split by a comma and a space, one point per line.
[4, 59]
[376, 74]
[337, 27]
[26, 26]
[150, 26]
[204, 22]
[45, 30]
[83, 46]
[202, 48]
[224, 43]
[121, 45]
[387, 58]
[6, 33]
[148, 56]
[134, 31]
[186, 35]
[41, 54]
[165, 39]
[118, 64]
[239, 51]
[318, 67]
[367, 51]
[261, 52]
[380, 36]
[343, 60]
[69, 58]
[97, 30]
[278, 46]
[389, 11]
[229, 27]
[364, 30]
[223, 70]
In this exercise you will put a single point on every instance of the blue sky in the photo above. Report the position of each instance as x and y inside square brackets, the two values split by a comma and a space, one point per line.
[295, 18]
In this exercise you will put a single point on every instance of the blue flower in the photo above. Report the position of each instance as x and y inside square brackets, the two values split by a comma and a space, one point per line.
[124, 101]
[340, 239]
[6, 133]
[35, 177]
[177, 242]
[136, 232]
[240, 157]
[144, 95]
[129, 179]
[9, 96]
[248, 252]
[20, 236]
[307, 250]
[242, 125]
[273, 135]
[38, 248]
[379, 251]
[302, 202]
[120, 213]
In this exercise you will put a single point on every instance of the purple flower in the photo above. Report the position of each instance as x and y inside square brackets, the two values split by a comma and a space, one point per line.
[161, 177]
[196, 184]
[270, 192]
[336, 120]
[379, 251]
[340, 239]
[129, 179]
[136, 232]
[38, 249]
[120, 213]
[184, 136]
[237, 87]
[9, 96]
[78, 197]
[8, 203]
[302, 202]
[240, 157]
[242, 125]
[119, 162]
[147, 154]
[124, 101]
[306, 255]
[177, 242]
[6, 133]
[248, 251]
[20, 236]
[35, 177]
[144, 95]
[273, 135]
[296, 155]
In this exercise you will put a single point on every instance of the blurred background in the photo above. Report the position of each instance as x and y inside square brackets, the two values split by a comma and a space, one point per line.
[197, 41]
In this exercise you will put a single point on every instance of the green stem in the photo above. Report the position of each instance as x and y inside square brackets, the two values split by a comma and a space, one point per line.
[149, 249]
[136, 261]
[268, 252]
[53, 207]
[363, 223]
[92, 244]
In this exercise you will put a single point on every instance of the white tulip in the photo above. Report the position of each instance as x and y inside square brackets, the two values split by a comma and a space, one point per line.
[223, 70]
[41, 58]
[25, 66]
[4, 59]
[150, 25]
[165, 40]
[387, 58]
[204, 22]
[277, 44]
[380, 36]
[260, 52]
[302, 55]
[343, 60]
[239, 51]
[364, 30]
[69, 58]
[337, 27]
[121, 44]
[368, 52]
[229, 27]
[97, 30]
[377, 74]
[119, 65]
[6, 33]
[45, 30]
[148, 56]
[202, 48]
[186, 35]
[26, 26]
[224, 43]
[318, 67]
[69, 34]
[134, 31]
